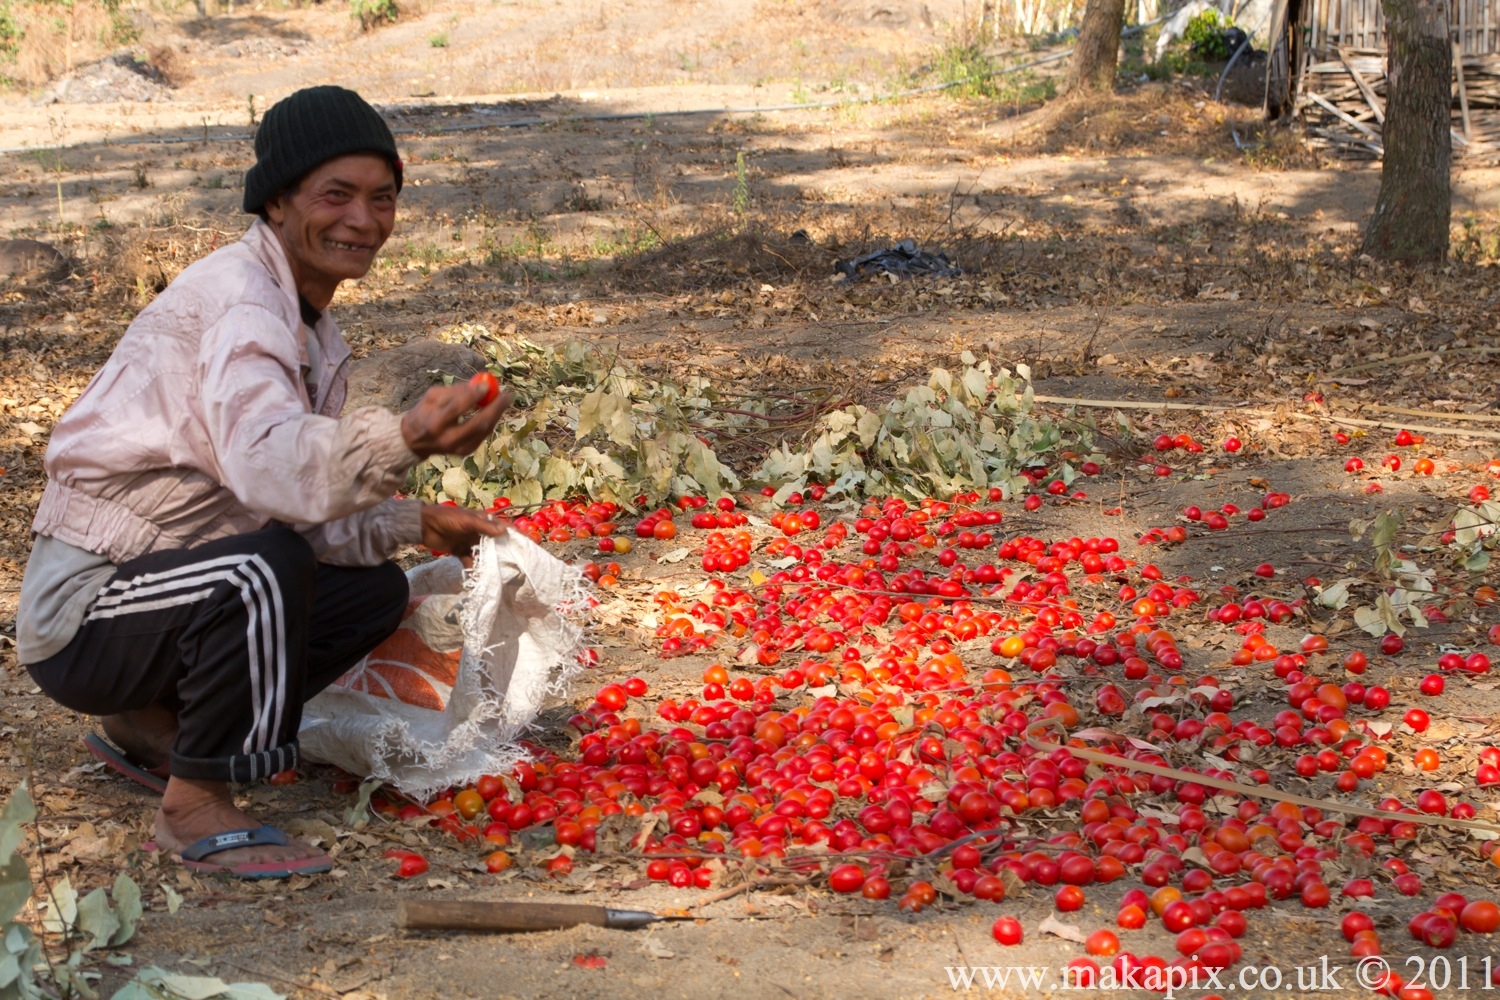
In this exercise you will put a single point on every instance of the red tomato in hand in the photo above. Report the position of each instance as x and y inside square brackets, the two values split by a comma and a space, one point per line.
[491, 386]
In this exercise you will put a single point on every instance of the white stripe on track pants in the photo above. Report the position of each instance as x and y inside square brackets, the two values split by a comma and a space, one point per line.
[234, 635]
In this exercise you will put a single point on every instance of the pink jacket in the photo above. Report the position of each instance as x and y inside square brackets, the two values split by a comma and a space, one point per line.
[199, 426]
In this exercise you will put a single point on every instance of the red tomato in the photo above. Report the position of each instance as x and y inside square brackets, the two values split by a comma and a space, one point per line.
[1102, 942]
[1178, 916]
[469, 803]
[1007, 930]
[1069, 898]
[846, 878]
[989, 887]
[491, 387]
[1480, 917]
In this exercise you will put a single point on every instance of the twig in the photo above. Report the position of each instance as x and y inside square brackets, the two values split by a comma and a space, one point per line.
[1403, 359]
[41, 857]
[982, 598]
[1396, 425]
[958, 947]
[309, 987]
[1408, 412]
[791, 418]
[1252, 791]
[1131, 404]
[1137, 404]
[952, 845]
[746, 886]
[1314, 529]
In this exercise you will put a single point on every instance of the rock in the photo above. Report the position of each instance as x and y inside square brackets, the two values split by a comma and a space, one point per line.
[397, 378]
[118, 77]
[31, 261]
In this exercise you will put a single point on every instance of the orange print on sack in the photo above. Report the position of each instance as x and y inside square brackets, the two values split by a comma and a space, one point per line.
[405, 668]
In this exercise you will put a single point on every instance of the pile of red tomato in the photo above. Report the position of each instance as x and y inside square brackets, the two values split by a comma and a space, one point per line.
[884, 730]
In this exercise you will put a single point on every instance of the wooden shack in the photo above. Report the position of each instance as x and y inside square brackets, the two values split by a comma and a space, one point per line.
[1328, 65]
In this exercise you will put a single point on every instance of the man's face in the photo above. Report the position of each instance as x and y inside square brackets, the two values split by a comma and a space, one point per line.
[337, 218]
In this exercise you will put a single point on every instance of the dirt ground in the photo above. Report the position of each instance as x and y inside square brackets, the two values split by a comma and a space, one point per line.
[1125, 251]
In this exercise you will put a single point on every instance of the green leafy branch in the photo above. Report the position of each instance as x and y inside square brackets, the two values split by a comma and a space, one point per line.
[1403, 581]
[99, 920]
[583, 426]
[102, 919]
[1475, 536]
[21, 954]
[587, 425]
[973, 430]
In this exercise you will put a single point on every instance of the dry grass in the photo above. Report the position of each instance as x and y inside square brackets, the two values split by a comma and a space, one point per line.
[49, 39]
[1156, 119]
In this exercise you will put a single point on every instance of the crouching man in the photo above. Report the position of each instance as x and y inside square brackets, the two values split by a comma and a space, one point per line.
[212, 546]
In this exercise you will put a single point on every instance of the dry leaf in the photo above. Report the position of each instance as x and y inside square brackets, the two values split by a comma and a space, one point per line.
[1067, 932]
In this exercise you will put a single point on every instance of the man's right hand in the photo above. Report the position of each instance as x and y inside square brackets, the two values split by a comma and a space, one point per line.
[435, 426]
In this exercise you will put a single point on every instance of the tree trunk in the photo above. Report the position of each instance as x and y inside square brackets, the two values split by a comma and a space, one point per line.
[1412, 211]
[1098, 51]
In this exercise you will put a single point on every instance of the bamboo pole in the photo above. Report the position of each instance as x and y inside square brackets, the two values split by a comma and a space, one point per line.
[1463, 92]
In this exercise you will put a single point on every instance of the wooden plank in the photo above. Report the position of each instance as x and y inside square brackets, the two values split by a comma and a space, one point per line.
[1329, 106]
[1463, 92]
[1297, 75]
[1338, 139]
[1364, 88]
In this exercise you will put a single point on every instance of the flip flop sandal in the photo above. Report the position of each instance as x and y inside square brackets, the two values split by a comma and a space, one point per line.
[154, 778]
[193, 855]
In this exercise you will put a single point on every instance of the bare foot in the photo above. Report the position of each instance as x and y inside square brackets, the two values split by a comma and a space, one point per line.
[191, 810]
[146, 734]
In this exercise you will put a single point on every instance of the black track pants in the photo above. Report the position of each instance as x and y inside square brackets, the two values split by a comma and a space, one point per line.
[233, 635]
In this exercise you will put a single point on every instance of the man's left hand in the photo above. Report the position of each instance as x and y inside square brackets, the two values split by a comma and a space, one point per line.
[456, 529]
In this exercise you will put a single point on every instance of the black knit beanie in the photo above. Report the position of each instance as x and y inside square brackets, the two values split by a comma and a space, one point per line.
[307, 129]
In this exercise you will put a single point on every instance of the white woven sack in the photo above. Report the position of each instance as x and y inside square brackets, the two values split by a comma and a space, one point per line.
[520, 610]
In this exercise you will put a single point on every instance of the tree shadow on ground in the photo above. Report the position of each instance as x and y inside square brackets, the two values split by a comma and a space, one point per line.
[219, 30]
[512, 204]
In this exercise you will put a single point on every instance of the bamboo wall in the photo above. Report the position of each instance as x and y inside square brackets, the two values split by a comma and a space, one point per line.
[1340, 85]
[1360, 24]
